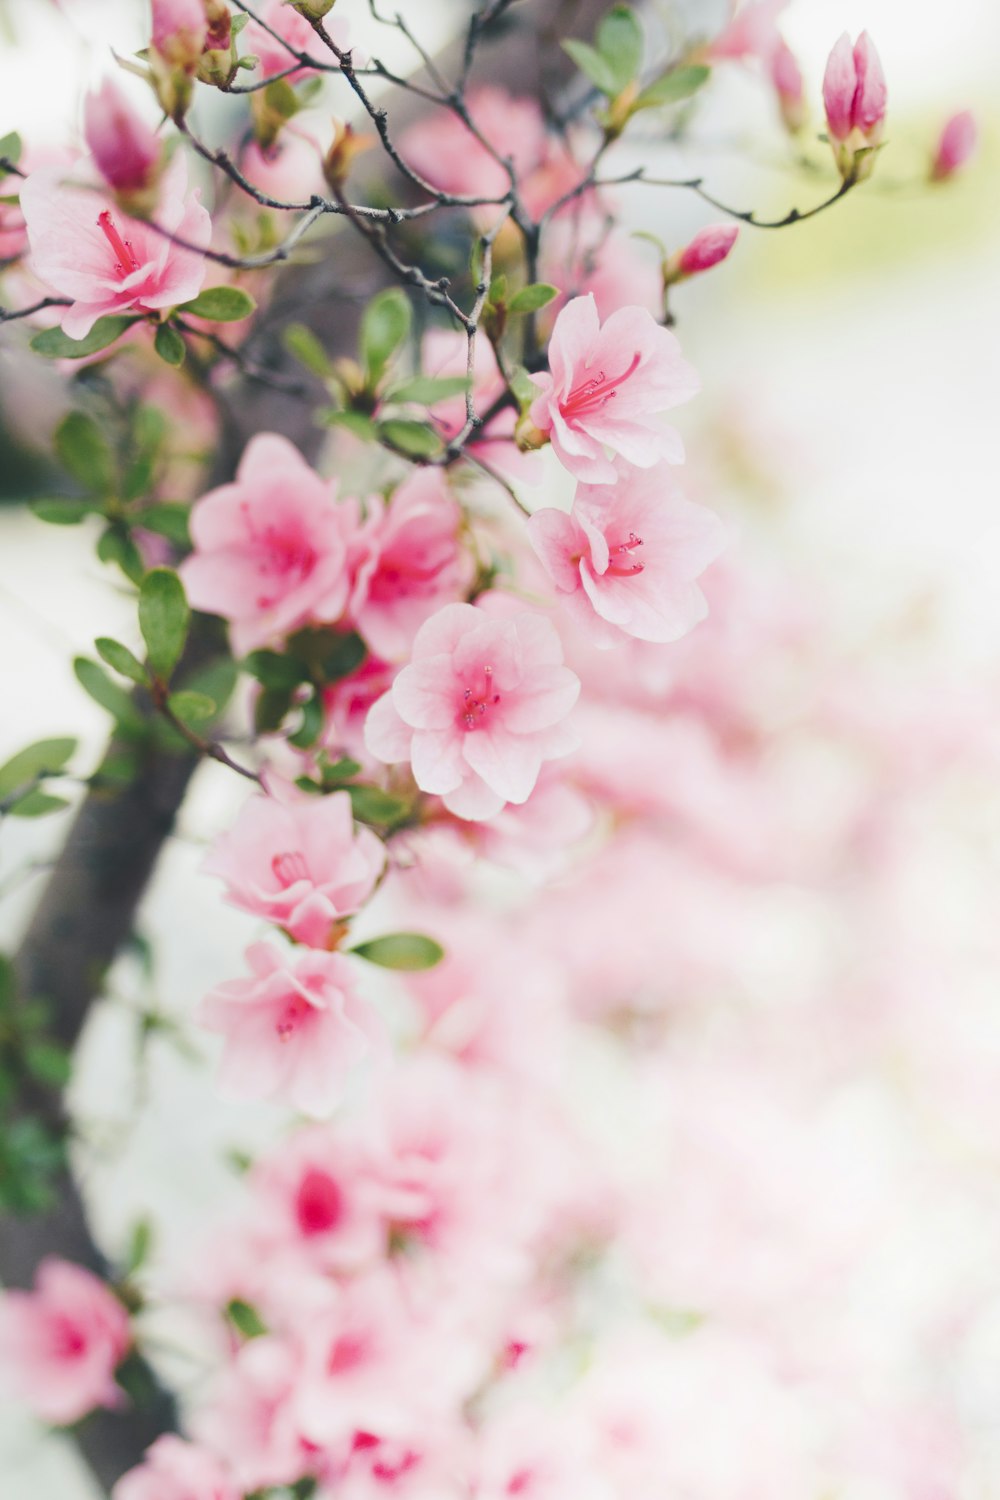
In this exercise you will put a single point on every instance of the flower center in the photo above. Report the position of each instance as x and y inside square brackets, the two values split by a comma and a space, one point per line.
[291, 1017]
[621, 563]
[288, 868]
[477, 700]
[126, 259]
[319, 1204]
[586, 399]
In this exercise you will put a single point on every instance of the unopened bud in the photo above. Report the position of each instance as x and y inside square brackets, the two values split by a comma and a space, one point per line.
[346, 145]
[313, 10]
[126, 151]
[854, 94]
[709, 246]
[786, 75]
[957, 144]
[180, 30]
[529, 437]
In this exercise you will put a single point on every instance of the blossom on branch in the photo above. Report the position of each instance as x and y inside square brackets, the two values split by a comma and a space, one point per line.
[176, 1470]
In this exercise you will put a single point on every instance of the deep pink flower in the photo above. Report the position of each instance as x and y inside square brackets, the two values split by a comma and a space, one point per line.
[175, 1470]
[957, 144]
[270, 548]
[854, 95]
[301, 864]
[607, 387]
[61, 1343]
[709, 246]
[414, 563]
[293, 1031]
[125, 149]
[625, 560]
[480, 707]
[85, 248]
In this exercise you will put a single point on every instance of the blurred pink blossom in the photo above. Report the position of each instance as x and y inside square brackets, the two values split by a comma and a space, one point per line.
[176, 1470]
[957, 144]
[127, 152]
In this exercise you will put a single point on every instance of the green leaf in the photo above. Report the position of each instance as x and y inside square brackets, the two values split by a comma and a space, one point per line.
[530, 298]
[169, 345]
[164, 617]
[192, 708]
[84, 451]
[303, 344]
[140, 1243]
[11, 147]
[401, 950]
[216, 680]
[43, 758]
[281, 99]
[8, 984]
[59, 510]
[270, 709]
[385, 323]
[344, 656]
[371, 805]
[245, 1319]
[168, 519]
[341, 770]
[49, 1063]
[221, 304]
[678, 84]
[121, 659]
[272, 670]
[355, 421]
[620, 42]
[596, 67]
[427, 389]
[312, 722]
[95, 681]
[415, 439]
[524, 387]
[36, 804]
[116, 546]
[54, 344]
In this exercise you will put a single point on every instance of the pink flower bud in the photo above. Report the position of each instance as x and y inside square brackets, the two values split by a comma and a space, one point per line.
[709, 246]
[180, 29]
[123, 146]
[958, 142]
[786, 75]
[854, 94]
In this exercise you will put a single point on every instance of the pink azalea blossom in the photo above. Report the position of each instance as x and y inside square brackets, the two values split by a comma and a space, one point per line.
[293, 1031]
[251, 1416]
[175, 1470]
[709, 246]
[414, 564]
[481, 706]
[270, 549]
[606, 388]
[300, 864]
[956, 146]
[126, 151]
[854, 95]
[313, 1191]
[625, 560]
[61, 1343]
[580, 257]
[346, 704]
[83, 247]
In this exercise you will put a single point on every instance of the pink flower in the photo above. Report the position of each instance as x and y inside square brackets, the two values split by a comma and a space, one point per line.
[958, 142]
[62, 1342]
[175, 1470]
[346, 704]
[478, 710]
[786, 75]
[447, 154]
[291, 1033]
[251, 1416]
[270, 548]
[312, 1192]
[607, 387]
[709, 246]
[854, 95]
[180, 31]
[751, 33]
[301, 864]
[278, 15]
[415, 564]
[125, 149]
[83, 247]
[625, 560]
[582, 255]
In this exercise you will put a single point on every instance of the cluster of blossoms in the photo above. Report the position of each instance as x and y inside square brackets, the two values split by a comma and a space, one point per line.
[446, 1284]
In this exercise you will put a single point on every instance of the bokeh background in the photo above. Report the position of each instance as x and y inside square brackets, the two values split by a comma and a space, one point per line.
[848, 431]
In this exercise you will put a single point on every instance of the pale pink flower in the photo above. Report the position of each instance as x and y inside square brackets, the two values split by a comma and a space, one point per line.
[413, 566]
[175, 1470]
[125, 149]
[299, 863]
[346, 704]
[956, 146]
[251, 1416]
[293, 1031]
[451, 157]
[580, 257]
[606, 388]
[750, 33]
[625, 559]
[789, 85]
[61, 1343]
[481, 706]
[854, 96]
[270, 549]
[289, 169]
[313, 1191]
[83, 247]
[180, 31]
[295, 29]
[709, 246]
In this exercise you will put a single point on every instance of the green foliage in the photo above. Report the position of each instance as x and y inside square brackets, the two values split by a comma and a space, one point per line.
[221, 304]
[530, 298]
[595, 67]
[303, 344]
[673, 87]
[115, 545]
[96, 682]
[414, 439]
[59, 510]
[245, 1319]
[620, 43]
[85, 453]
[169, 345]
[164, 618]
[30, 1156]
[121, 659]
[11, 147]
[354, 421]
[401, 950]
[36, 804]
[192, 708]
[167, 519]
[381, 809]
[140, 1243]
[311, 724]
[43, 758]
[54, 344]
[427, 389]
[385, 324]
